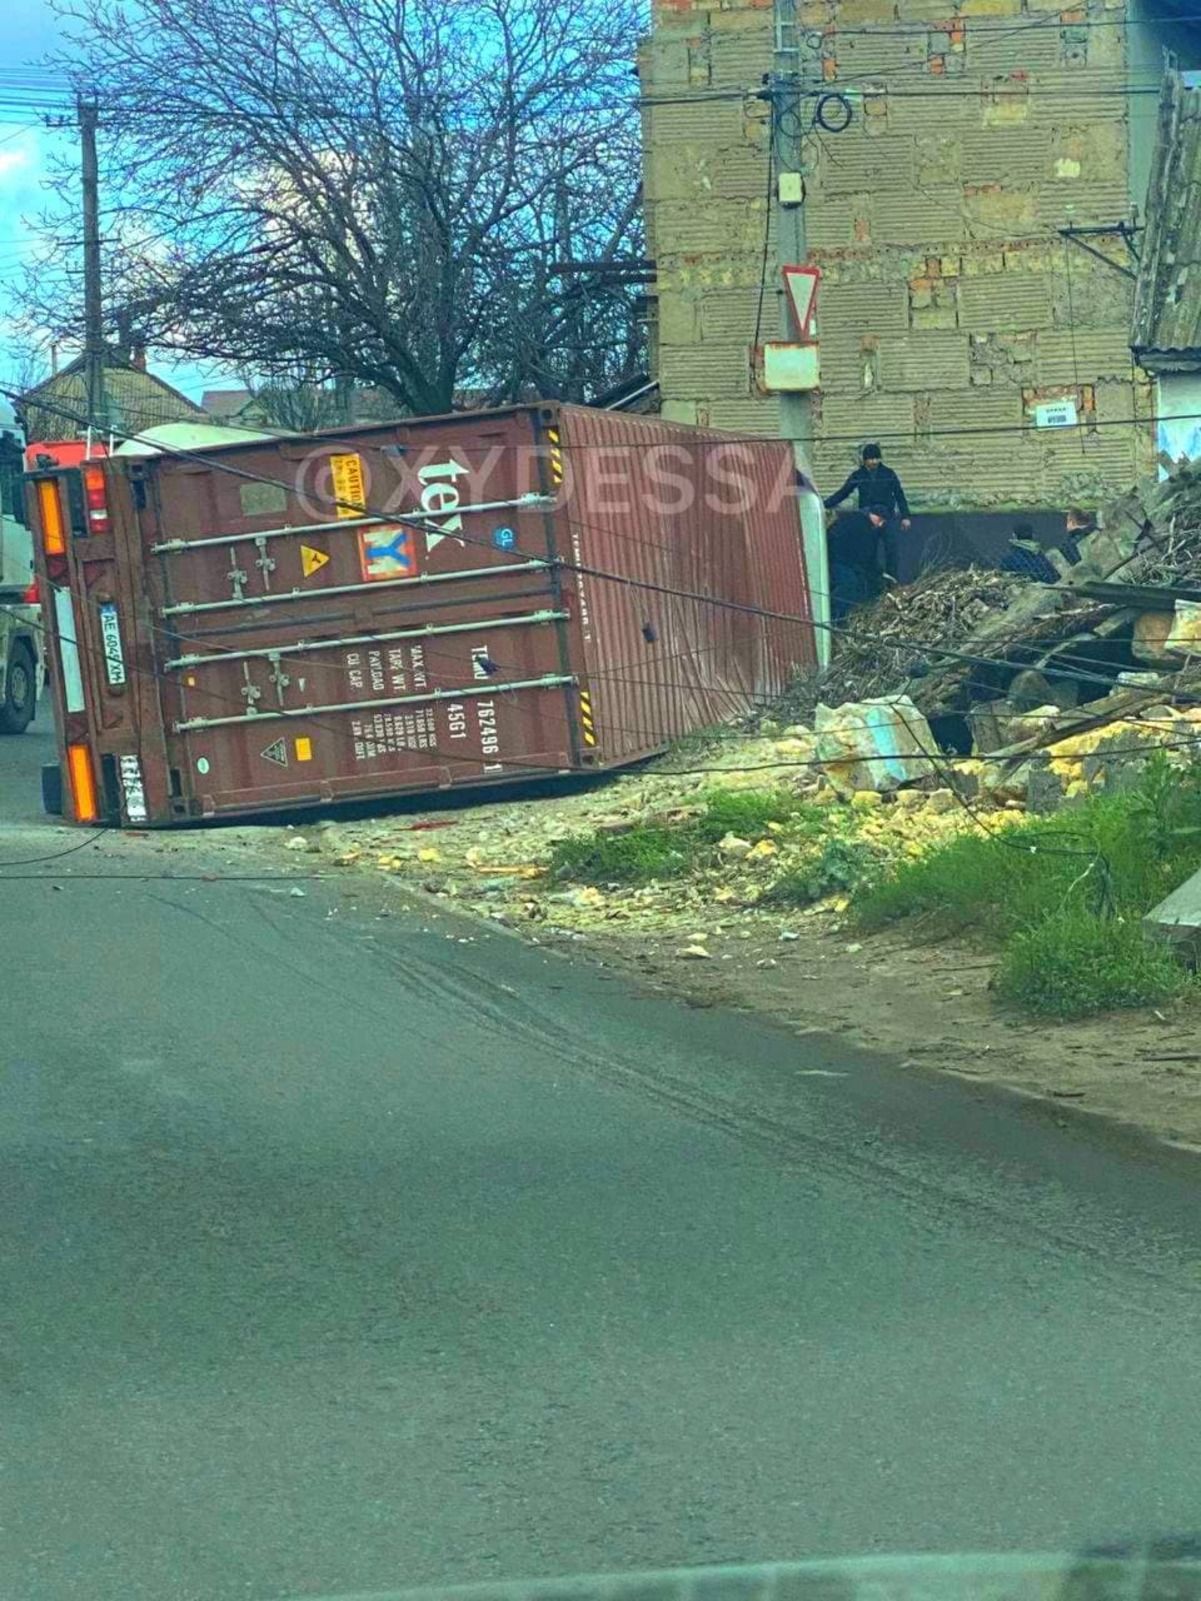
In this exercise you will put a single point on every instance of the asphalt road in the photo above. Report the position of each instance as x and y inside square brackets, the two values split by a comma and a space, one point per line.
[338, 1254]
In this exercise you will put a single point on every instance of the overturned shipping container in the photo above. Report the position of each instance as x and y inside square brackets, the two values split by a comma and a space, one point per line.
[414, 606]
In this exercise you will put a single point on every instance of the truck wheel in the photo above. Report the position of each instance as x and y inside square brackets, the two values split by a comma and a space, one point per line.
[52, 789]
[20, 692]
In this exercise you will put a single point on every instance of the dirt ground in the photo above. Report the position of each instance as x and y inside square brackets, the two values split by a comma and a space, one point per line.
[924, 1004]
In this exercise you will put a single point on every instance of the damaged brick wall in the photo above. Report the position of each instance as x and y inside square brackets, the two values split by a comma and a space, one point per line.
[950, 306]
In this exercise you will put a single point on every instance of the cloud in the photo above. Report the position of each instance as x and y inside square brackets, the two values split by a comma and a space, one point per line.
[22, 159]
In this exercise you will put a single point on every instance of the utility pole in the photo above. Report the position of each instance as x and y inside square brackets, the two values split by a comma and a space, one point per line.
[789, 107]
[93, 316]
[787, 130]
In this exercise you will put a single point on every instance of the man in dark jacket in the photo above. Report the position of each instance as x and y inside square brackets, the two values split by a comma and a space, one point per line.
[881, 497]
[852, 545]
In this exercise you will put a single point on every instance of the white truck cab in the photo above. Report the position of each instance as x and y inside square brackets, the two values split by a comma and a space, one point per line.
[20, 615]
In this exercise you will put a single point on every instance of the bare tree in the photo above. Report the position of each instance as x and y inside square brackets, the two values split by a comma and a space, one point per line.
[376, 191]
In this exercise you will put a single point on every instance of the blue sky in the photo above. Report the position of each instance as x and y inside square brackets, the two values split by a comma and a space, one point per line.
[31, 31]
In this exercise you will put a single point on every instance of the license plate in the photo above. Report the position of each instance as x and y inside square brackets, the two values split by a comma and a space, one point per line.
[110, 633]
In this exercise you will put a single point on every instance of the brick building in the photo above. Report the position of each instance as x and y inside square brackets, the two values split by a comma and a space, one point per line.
[952, 304]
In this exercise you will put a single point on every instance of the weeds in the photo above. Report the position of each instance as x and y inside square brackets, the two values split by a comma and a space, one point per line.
[651, 851]
[636, 857]
[1063, 896]
[841, 866]
[748, 812]
[1072, 965]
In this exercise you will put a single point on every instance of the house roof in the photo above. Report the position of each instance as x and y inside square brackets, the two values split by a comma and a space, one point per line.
[135, 400]
[1167, 302]
[225, 402]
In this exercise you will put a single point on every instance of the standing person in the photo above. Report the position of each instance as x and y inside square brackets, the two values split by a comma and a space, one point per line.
[882, 496]
[852, 544]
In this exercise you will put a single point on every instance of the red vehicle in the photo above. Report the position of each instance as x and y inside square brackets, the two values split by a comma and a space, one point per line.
[412, 606]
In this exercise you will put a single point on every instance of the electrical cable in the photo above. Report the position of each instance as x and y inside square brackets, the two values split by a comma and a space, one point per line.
[34, 861]
[765, 703]
[1192, 742]
[937, 762]
[928, 645]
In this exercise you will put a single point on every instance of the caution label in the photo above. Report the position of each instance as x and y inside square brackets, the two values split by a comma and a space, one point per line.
[312, 560]
[276, 753]
[304, 749]
[350, 484]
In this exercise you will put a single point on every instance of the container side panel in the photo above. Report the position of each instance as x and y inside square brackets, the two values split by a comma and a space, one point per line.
[311, 647]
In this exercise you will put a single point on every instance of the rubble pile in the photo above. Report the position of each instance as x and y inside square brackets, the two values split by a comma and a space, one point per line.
[1160, 523]
[975, 651]
[877, 647]
[496, 860]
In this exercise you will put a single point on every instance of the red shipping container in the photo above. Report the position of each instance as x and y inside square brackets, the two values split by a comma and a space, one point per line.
[412, 606]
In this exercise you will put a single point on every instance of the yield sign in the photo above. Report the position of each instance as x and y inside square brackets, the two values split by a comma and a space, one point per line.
[800, 285]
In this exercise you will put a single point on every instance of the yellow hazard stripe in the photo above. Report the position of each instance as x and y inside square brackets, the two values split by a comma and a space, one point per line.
[556, 456]
[586, 722]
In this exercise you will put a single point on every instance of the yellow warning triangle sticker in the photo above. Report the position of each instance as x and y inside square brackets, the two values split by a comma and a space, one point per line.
[312, 561]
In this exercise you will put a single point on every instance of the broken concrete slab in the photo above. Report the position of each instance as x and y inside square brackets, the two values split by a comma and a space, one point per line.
[876, 744]
[1177, 921]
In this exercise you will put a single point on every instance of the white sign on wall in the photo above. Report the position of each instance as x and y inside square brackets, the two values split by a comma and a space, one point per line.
[1056, 414]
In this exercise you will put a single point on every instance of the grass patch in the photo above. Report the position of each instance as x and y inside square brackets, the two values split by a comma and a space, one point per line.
[650, 851]
[1072, 965]
[1063, 896]
[635, 857]
[840, 866]
[977, 882]
[747, 812]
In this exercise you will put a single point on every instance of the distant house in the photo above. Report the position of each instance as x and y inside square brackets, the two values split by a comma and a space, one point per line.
[233, 405]
[133, 400]
[1166, 336]
[300, 406]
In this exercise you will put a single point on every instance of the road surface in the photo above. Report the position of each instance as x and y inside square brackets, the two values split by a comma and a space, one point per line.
[343, 1251]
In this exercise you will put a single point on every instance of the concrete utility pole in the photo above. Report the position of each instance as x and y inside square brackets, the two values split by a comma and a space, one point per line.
[788, 110]
[93, 317]
[787, 128]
